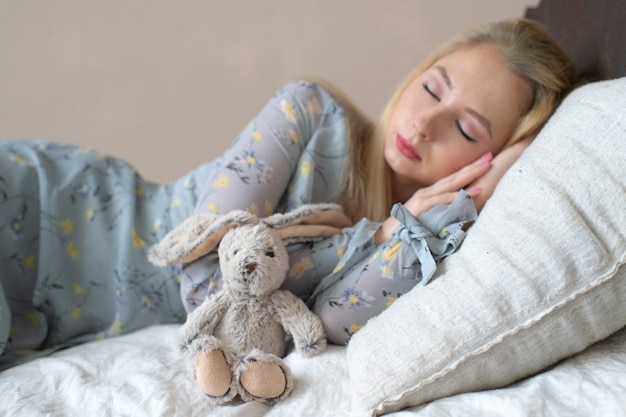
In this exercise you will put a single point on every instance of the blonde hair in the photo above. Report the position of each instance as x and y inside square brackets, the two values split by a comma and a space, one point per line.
[530, 53]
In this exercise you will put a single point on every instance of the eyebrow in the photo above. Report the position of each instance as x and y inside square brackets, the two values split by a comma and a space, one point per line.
[445, 76]
[481, 119]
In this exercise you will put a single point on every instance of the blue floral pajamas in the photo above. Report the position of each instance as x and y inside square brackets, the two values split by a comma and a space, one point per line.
[74, 229]
[294, 152]
[75, 226]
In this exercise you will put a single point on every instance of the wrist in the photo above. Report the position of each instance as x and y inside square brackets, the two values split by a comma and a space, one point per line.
[385, 230]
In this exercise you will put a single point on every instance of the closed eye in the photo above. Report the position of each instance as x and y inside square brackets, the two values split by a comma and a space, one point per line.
[431, 92]
[269, 254]
[465, 135]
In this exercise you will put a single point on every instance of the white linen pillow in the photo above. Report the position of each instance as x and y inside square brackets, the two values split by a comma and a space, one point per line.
[540, 275]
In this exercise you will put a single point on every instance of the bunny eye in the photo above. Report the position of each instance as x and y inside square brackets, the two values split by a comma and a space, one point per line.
[235, 252]
[269, 253]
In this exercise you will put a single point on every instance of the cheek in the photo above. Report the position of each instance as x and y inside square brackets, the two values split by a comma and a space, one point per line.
[388, 147]
[452, 159]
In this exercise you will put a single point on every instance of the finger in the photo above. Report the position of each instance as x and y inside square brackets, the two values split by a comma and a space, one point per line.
[474, 191]
[460, 178]
[422, 205]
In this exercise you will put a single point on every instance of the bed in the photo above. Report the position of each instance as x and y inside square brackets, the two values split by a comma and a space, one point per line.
[539, 332]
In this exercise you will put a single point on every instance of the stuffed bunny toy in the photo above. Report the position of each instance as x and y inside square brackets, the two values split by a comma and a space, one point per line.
[236, 337]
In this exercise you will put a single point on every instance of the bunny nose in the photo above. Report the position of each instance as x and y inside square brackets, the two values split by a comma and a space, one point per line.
[250, 268]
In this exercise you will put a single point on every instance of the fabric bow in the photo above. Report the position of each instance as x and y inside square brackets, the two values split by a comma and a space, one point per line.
[436, 233]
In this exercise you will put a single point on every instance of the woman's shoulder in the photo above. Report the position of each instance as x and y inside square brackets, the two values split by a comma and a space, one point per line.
[329, 94]
[305, 91]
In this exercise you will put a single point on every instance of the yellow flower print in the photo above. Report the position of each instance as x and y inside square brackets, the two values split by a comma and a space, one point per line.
[147, 301]
[222, 182]
[67, 226]
[340, 252]
[387, 272]
[115, 328]
[388, 254]
[16, 226]
[77, 313]
[29, 262]
[33, 319]
[157, 225]
[212, 283]
[137, 241]
[313, 106]
[390, 300]
[177, 277]
[89, 214]
[300, 268]
[72, 250]
[289, 111]
[212, 207]
[354, 327]
[306, 168]
[20, 160]
[373, 257]
[190, 184]
[78, 289]
[254, 210]
[443, 232]
[140, 191]
[269, 209]
[339, 266]
[99, 336]
[250, 159]
[257, 136]
[175, 203]
[294, 136]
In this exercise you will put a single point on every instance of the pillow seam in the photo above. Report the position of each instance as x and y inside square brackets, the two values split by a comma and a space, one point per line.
[498, 340]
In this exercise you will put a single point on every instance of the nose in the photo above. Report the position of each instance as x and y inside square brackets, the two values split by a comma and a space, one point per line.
[424, 124]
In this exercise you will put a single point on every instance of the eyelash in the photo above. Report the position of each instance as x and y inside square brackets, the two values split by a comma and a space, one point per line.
[465, 135]
[429, 91]
[458, 125]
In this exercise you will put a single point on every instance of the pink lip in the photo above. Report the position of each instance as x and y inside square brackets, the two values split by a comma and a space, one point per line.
[407, 149]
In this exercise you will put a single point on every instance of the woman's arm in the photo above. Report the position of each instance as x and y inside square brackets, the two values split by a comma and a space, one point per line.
[273, 150]
[292, 153]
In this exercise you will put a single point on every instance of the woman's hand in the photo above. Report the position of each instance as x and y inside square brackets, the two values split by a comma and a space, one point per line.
[443, 192]
[478, 178]
[500, 164]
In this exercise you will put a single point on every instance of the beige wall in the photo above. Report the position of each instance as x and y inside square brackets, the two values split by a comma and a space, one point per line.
[168, 84]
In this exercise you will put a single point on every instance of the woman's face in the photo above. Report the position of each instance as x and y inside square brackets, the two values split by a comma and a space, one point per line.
[465, 105]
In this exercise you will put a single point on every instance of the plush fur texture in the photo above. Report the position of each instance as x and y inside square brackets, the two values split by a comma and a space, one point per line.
[247, 321]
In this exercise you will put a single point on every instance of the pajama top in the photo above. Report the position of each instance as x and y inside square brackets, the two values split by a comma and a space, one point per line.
[75, 227]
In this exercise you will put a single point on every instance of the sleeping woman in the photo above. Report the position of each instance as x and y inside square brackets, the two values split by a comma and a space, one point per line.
[75, 225]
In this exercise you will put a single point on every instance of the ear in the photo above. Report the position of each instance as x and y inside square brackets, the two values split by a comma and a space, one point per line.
[309, 222]
[196, 237]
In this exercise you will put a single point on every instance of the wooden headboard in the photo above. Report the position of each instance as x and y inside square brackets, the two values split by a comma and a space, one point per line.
[591, 32]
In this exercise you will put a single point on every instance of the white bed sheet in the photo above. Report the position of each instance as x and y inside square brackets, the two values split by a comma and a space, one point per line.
[142, 374]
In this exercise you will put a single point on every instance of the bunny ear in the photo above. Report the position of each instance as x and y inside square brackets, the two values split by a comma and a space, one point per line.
[309, 222]
[196, 237]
